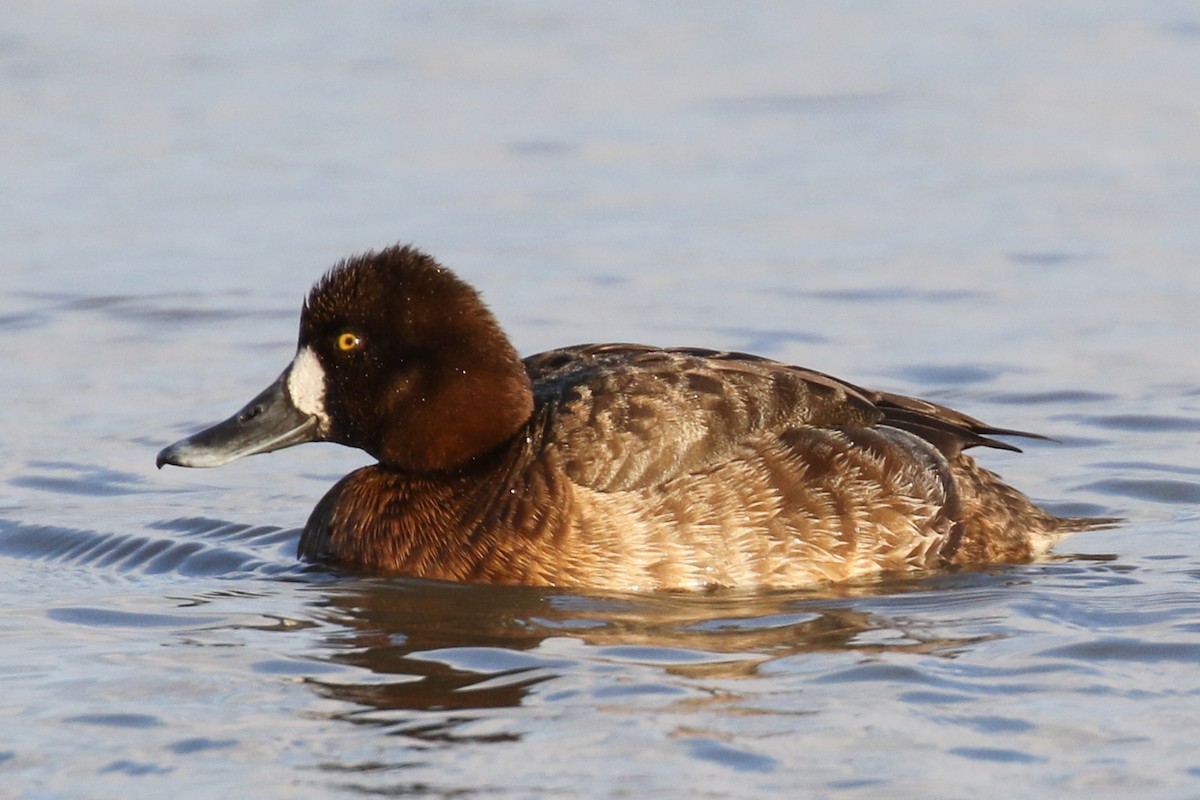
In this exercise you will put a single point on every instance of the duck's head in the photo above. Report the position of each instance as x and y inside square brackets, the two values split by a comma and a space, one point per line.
[397, 357]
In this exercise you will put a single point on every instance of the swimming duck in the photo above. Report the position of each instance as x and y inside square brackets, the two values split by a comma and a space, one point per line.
[614, 466]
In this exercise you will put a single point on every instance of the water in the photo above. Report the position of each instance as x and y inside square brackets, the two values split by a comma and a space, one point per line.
[992, 205]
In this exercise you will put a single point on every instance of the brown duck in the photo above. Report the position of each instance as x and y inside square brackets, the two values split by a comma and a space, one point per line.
[615, 466]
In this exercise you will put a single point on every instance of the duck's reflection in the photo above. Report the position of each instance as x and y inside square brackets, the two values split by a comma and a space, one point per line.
[426, 646]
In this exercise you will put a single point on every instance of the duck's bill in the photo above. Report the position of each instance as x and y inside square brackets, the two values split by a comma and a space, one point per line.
[269, 422]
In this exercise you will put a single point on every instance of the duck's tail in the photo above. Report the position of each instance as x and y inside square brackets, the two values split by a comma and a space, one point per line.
[1002, 525]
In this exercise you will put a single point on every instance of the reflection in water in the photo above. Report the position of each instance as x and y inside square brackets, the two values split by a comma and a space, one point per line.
[444, 651]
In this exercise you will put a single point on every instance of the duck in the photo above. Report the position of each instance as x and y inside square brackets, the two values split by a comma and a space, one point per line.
[622, 467]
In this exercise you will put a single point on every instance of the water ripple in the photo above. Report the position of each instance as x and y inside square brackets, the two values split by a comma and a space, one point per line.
[1160, 490]
[711, 750]
[997, 754]
[111, 618]
[1140, 423]
[213, 548]
[1066, 397]
[117, 720]
[1127, 649]
[78, 479]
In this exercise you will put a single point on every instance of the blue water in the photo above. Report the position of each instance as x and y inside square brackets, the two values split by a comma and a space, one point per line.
[993, 206]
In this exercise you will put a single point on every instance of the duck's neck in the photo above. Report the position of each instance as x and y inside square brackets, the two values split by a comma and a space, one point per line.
[471, 525]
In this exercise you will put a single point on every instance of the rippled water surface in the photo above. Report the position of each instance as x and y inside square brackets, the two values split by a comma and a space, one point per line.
[993, 205]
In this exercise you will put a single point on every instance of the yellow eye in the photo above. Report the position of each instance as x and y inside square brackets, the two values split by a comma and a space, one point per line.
[349, 341]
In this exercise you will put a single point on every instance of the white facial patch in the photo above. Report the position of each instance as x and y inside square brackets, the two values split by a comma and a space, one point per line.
[306, 386]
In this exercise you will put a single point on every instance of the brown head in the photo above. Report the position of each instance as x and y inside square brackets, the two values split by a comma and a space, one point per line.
[418, 372]
[397, 357]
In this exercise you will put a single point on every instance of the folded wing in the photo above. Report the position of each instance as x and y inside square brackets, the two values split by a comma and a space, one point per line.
[624, 416]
